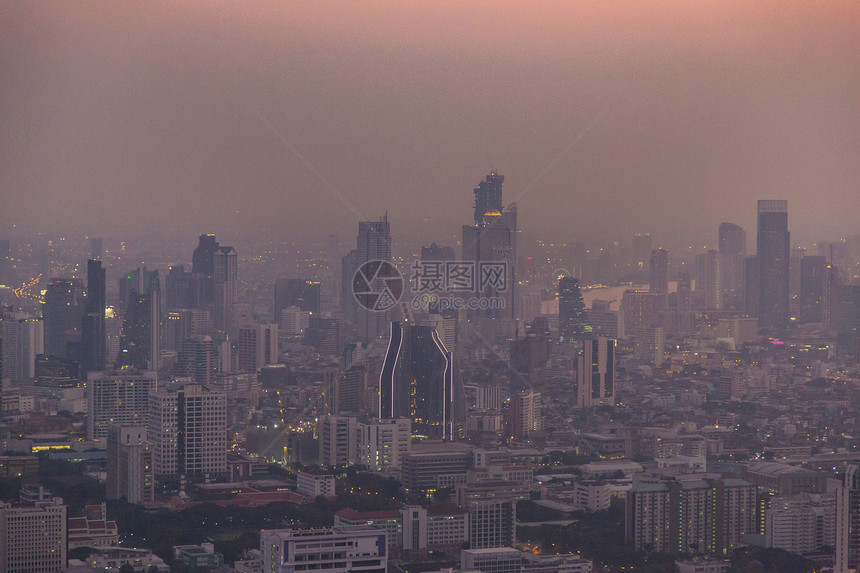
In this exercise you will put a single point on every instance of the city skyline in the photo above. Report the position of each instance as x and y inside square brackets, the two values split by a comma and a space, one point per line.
[292, 120]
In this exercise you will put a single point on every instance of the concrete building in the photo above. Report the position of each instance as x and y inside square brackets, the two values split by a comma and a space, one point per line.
[33, 537]
[118, 397]
[315, 482]
[359, 549]
[130, 472]
[338, 440]
[382, 444]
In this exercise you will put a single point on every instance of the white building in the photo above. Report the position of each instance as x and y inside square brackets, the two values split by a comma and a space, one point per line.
[383, 443]
[33, 537]
[257, 346]
[119, 397]
[315, 482]
[338, 440]
[360, 549]
[188, 432]
[129, 464]
[23, 338]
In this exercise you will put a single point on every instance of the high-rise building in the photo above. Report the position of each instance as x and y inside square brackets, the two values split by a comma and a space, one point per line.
[226, 281]
[525, 414]
[129, 464]
[256, 346]
[709, 278]
[572, 321]
[383, 443]
[373, 244]
[641, 308]
[178, 293]
[733, 248]
[641, 251]
[659, 271]
[338, 440]
[751, 286]
[33, 536]
[65, 306]
[22, 337]
[198, 359]
[491, 244]
[773, 244]
[140, 342]
[705, 517]
[596, 373]
[188, 433]
[119, 397]
[93, 326]
[417, 380]
[303, 294]
[813, 281]
[848, 521]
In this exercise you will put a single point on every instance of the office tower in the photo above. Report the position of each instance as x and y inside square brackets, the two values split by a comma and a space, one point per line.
[649, 345]
[417, 381]
[436, 253]
[129, 464]
[97, 250]
[177, 289]
[525, 414]
[640, 308]
[641, 252]
[303, 294]
[22, 337]
[327, 335]
[373, 244]
[847, 320]
[704, 517]
[490, 248]
[338, 440]
[256, 346]
[709, 278]
[226, 280]
[488, 196]
[345, 390]
[383, 443]
[140, 342]
[571, 310]
[848, 521]
[203, 271]
[139, 280]
[177, 327]
[119, 397]
[813, 279]
[188, 433]
[751, 286]
[773, 253]
[602, 320]
[93, 326]
[659, 271]
[64, 307]
[360, 548]
[198, 359]
[596, 373]
[796, 256]
[733, 248]
[33, 536]
[54, 375]
[490, 494]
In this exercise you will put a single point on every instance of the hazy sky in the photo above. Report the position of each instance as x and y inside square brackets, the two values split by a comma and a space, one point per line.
[606, 118]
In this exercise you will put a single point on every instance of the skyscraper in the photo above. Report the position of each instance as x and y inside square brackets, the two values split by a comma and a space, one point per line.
[22, 337]
[188, 433]
[417, 381]
[596, 373]
[120, 397]
[813, 279]
[773, 243]
[488, 196]
[64, 307]
[733, 242]
[373, 244]
[301, 293]
[140, 342]
[659, 271]
[571, 310]
[491, 242]
[226, 279]
[93, 333]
